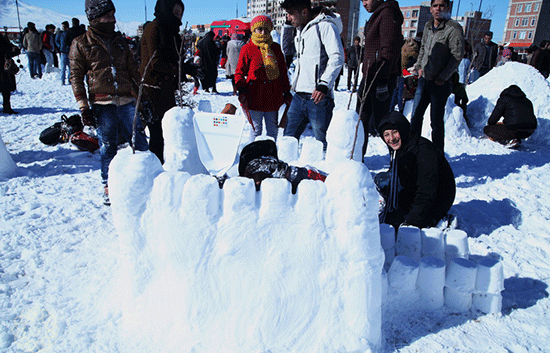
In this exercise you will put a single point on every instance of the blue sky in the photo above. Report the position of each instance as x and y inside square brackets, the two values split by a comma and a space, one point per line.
[206, 11]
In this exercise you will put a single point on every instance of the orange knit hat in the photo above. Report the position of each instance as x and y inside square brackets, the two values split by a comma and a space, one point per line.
[261, 21]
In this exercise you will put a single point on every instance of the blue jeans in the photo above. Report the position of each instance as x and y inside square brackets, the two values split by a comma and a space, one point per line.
[303, 111]
[430, 93]
[65, 67]
[270, 118]
[397, 96]
[35, 68]
[111, 120]
[49, 60]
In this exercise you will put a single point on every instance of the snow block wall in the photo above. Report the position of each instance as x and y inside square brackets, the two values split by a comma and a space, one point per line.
[205, 269]
[429, 269]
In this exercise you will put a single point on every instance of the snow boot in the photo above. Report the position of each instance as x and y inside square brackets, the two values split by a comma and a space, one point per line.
[106, 199]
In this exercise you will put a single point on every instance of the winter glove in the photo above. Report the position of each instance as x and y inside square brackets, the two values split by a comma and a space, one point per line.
[146, 112]
[88, 118]
[382, 92]
[322, 88]
[287, 97]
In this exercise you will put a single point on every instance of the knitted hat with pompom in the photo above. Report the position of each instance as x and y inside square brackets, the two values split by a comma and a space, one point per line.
[261, 21]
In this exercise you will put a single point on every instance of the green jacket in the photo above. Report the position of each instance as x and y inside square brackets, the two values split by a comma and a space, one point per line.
[441, 51]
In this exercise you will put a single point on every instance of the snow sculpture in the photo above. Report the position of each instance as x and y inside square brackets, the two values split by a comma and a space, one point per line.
[387, 240]
[459, 284]
[433, 242]
[409, 242]
[456, 245]
[430, 283]
[236, 270]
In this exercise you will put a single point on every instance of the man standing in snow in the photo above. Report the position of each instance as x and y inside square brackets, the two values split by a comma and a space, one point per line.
[485, 55]
[48, 47]
[63, 51]
[440, 54]
[73, 32]
[104, 58]
[32, 43]
[320, 57]
[381, 59]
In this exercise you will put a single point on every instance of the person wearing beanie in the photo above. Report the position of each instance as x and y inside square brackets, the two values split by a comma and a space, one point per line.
[421, 187]
[320, 57]
[261, 77]
[506, 57]
[102, 57]
[32, 43]
[159, 66]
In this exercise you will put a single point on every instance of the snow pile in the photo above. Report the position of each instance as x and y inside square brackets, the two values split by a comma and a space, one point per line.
[234, 270]
[8, 168]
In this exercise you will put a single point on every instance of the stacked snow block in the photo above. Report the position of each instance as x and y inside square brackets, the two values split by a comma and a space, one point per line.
[433, 266]
[246, 270]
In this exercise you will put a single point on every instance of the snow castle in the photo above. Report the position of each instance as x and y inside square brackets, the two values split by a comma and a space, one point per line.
[205, 269]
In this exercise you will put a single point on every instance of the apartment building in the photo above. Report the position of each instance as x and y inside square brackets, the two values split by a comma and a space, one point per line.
[348, 10]
[474, 25]
[527, 22]
[414, 19]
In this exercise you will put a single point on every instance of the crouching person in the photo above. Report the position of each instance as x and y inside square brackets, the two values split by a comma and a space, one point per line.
[421, 183]
[519, 118]
[103, 57]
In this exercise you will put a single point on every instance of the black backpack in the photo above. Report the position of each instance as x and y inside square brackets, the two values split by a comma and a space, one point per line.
[61, 132]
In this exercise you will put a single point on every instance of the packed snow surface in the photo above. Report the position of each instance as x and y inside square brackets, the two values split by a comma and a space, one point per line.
[66, 275]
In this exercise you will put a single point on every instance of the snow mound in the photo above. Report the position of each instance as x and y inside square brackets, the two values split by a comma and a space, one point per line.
[234, 270]
[8, 168]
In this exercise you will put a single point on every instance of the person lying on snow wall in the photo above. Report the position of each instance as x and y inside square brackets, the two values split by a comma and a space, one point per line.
[519, 118]
[421, 187]
[259, 161]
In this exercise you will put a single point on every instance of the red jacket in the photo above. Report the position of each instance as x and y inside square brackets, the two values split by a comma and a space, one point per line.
[261, 94]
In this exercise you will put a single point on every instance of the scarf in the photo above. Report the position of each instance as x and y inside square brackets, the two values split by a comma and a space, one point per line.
[263, 42]
[392, 201]
[103, 29]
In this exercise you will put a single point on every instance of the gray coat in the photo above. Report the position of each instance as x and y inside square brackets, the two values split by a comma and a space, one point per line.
[441, 51]
[234, 47]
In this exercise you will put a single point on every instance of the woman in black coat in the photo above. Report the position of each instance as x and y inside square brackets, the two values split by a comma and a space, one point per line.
[422, 186]
[519, 117]
[210, 56]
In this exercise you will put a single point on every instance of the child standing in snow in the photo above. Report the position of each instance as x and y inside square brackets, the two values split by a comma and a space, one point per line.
[261, 77]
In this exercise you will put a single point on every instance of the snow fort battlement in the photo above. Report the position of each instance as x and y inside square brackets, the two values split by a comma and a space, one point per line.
[205, 269]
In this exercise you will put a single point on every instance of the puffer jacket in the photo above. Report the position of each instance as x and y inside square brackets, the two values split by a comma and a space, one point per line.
[516, 109]
[315, 65]
[383, 40]
[441, 51]
[32, 42]
[109, 67]
[426, 181]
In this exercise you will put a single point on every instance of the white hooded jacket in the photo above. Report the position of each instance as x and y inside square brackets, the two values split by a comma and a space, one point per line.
[319, 53]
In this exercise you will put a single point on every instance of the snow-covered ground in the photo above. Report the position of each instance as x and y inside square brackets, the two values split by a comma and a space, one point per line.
[59, 250]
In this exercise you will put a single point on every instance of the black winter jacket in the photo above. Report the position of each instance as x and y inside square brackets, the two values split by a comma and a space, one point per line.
[516, 108]
[426, 181]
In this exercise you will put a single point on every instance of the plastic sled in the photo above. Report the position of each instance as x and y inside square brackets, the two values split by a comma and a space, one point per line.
[218, 137]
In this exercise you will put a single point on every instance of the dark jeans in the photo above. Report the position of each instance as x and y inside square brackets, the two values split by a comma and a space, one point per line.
[397, 96]
[503, 134]
[374, 109]
[111, 120]
[430, 93]
[35, 68]
[351, 77]
[303, 111]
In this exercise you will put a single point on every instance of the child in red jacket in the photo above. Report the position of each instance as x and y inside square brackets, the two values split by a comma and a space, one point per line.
[261, 77]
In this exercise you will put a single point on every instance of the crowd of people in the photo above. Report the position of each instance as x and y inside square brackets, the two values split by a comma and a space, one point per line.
[301, 72]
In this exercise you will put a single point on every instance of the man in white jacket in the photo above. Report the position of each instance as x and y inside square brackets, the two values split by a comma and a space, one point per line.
[319, 59]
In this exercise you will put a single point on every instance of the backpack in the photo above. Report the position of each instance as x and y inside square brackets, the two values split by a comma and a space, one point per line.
[84, 142]
[60, 132]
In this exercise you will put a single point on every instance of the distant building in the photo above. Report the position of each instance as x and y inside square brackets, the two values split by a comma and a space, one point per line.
[348, 10]
[527, 22]
[414, 19]
[474, 25]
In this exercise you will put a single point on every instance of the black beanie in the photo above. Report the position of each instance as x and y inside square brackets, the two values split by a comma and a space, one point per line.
[98, 8]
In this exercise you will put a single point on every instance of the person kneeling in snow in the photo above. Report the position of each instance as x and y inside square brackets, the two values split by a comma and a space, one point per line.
[259, 161]
[421, 183]
[519, 118]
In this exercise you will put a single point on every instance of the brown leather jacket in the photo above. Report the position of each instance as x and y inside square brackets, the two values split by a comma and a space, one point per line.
[111, 72]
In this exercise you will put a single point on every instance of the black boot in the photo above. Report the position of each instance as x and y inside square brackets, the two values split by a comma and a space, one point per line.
[7, 104]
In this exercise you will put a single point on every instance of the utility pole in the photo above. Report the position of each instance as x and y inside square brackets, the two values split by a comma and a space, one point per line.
[145, 2]
[480, 2]
[18, 18]
[457, 8]
[237, 10]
